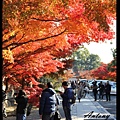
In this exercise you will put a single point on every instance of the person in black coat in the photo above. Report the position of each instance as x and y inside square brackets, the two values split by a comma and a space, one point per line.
[66, 100]
[21, 101]
[107, 91]
[101, 90]
[95, 90]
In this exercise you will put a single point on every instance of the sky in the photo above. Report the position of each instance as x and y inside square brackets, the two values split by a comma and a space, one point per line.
[103, 50]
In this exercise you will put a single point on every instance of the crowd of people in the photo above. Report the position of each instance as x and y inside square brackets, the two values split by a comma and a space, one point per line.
[49, 100]
[101, 90]
[80, 88]
[47, 113]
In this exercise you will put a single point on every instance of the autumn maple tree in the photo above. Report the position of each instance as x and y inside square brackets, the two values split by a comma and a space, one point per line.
[37, 34]
[101, 72]
[104, 73]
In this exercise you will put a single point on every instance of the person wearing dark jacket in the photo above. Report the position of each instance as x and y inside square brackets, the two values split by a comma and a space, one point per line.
[66, 103]
[21, 101]
[107, 91]
[48, 102]
[95, 87]
[101, 90]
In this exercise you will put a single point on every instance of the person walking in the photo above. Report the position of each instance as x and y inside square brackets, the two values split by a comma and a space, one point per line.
[80, 91]
[107, 91]
[48, 102]
[74, 86]
[101, 90]
[21, 101]
[95, 90]
[66, 100]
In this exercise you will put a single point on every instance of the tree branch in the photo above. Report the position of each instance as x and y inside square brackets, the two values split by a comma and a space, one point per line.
[15, 44]
[55, 20]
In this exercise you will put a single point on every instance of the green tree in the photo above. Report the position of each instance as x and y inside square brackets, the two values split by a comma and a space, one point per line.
[93, 61]
[112, 65]
[83, 60]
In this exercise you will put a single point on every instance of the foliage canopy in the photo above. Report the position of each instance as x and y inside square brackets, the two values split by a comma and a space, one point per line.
[37, 34]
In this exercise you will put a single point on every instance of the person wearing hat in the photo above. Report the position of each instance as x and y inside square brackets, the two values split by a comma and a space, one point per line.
[66, 96]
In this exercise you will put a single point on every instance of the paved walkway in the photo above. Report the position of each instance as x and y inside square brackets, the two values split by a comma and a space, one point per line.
[91, 107]
[87, 109]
